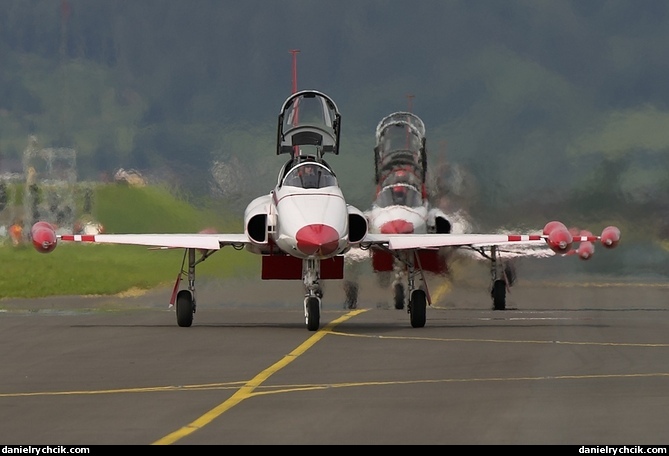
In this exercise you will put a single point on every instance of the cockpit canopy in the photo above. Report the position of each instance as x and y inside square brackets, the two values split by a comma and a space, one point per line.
[400, 131]
[399, 195]
[405, 175]
[400, 144]
[408, 121]
[310, 174]
[309, 124]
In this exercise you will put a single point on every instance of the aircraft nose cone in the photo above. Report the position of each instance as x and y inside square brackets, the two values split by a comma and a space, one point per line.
[397, 227]
[317, 239]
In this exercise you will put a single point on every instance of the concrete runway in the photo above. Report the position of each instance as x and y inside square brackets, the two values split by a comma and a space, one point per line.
[582, 363]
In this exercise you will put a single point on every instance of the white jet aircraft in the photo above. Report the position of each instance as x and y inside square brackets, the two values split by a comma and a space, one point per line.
[303, 227]
[401, 206]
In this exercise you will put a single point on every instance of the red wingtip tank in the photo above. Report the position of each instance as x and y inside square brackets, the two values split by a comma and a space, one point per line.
[586, 248]
[558, 237]
[43, 237]
[610, 237]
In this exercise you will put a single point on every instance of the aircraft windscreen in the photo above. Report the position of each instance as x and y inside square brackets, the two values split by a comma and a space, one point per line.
[309, 111]
[310, 175]
[399, 137]
[399, 195]
[401, 175]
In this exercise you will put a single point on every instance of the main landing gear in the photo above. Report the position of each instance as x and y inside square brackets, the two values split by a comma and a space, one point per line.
[185, 299]
[503, 275]
[351, 292]
[400, 275]
[406, 267]
[418, 298]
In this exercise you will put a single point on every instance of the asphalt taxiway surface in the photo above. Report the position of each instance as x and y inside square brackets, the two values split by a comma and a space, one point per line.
[583, 362]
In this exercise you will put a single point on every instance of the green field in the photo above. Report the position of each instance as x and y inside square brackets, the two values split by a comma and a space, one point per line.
[97, 269]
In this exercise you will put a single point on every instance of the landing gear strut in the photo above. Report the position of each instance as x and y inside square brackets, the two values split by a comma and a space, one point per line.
[314, 293]
[399, 271]
[185, 299]
[503, 275]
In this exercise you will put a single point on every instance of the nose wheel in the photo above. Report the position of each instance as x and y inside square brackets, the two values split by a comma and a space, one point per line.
[312, 312]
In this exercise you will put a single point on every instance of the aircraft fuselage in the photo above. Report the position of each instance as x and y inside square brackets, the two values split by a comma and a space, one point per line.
[310, 223]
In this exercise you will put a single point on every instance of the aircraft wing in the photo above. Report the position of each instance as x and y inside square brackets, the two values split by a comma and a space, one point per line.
[418, 241]
[208, 241]
[555, 236]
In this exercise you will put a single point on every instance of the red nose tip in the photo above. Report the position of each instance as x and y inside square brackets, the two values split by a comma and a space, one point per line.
[317, 239]
[397, 227]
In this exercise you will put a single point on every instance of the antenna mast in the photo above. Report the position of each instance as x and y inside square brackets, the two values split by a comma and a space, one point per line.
[296, 149]
[294, 52]
[410, 101]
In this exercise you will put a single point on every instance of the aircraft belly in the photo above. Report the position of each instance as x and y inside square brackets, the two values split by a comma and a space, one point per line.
[286, 267]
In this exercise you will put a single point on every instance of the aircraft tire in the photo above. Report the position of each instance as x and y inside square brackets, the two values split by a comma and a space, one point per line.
[499, 295]
[313, 314]
[417, 308]
[398, 296]
[351, 290]
[185, 308]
